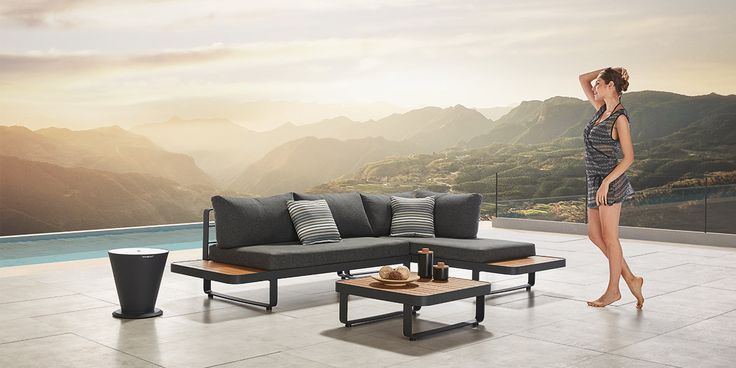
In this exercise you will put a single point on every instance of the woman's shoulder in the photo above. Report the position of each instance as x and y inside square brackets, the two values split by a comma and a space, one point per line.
[621, 111]
[621, 115]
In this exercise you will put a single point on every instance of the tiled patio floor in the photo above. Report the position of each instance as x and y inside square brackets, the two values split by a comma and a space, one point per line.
[59, 314]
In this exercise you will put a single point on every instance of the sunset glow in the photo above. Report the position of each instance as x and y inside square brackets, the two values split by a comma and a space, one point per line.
[90, 63]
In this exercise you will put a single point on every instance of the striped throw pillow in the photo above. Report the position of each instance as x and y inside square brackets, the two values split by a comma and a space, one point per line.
[313, 222]
[412, 217]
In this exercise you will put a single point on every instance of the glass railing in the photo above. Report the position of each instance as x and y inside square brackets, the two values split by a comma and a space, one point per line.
[706, 204]
[566, 208]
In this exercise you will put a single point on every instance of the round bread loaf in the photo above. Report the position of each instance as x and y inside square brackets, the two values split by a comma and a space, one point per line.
[384, 271]
[405, 273]
[394, 275]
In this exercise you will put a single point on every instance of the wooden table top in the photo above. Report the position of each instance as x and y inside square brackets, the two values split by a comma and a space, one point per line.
[421, 287]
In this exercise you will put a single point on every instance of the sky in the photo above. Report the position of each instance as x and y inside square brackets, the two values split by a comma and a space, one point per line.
[83, 63]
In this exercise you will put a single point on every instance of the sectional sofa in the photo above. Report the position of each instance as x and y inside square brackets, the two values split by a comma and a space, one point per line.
[256, 241]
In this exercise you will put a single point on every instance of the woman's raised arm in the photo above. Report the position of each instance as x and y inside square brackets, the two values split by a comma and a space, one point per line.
[585, 80]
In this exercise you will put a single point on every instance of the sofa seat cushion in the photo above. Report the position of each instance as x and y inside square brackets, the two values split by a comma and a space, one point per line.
[473, 250]
[250, 221]
[294, 255]
[347, 210]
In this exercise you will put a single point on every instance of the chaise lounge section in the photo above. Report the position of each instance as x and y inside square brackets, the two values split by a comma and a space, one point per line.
[256, 241]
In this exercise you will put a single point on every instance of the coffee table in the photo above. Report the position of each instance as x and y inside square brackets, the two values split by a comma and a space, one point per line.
[413, 296]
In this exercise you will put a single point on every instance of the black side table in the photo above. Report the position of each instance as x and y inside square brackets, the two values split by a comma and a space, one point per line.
[137, 273]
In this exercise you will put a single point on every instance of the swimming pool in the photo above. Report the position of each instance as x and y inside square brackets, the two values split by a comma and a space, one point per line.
[18, 251]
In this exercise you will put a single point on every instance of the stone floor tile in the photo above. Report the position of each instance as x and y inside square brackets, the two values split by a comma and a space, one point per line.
[602, 338]
[681, 352]
[66, 350]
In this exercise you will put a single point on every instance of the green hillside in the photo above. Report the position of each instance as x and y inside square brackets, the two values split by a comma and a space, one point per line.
[668, 152]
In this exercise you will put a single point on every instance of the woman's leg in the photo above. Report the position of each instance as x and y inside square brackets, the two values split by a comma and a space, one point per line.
[609, 220]
[595, 234]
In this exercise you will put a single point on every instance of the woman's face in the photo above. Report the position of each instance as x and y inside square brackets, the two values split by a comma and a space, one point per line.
[602, 89]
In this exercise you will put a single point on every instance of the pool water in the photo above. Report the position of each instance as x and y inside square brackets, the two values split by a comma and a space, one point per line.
[24, 252]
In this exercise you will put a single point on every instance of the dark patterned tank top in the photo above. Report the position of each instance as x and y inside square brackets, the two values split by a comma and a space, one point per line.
[601, 157]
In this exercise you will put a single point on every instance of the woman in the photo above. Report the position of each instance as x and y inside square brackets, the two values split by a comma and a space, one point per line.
[605, 136]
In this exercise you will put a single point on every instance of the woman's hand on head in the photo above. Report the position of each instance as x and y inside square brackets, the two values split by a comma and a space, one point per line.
[624, 73]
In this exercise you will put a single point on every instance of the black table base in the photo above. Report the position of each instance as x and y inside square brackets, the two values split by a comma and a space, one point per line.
[119, 314]
[407, 314]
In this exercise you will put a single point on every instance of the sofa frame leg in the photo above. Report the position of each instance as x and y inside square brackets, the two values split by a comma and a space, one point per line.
[273, 293]
[531, 278]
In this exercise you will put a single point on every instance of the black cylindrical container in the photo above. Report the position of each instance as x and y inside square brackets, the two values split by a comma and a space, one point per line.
[440, 272]
[426, 259]
[137, 273]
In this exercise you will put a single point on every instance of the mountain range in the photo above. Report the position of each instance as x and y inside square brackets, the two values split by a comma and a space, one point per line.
[653, 115]
[110, 149]
[224, 149]
[536, 149]
[42, 197]
[309, 161]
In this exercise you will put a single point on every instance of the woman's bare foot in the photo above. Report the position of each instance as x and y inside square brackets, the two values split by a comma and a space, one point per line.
[605, 300]
[635, 288]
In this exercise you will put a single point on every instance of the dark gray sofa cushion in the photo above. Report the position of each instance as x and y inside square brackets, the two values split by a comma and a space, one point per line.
[378, 209]
[249, 221]
[455, 215]
[293, 255]
[473, 250]
[347, 210]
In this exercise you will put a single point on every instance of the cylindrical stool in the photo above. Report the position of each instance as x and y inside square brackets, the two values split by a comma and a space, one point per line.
[137, 273]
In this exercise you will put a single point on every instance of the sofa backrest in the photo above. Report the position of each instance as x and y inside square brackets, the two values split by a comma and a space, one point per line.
[456, 215]
[347, 210]
[251, 221]
[378, 209]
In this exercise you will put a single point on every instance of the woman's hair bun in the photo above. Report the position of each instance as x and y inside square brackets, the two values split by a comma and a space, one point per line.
[610, 74]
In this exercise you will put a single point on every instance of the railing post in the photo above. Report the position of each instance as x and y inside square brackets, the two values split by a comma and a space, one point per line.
[705, 212]
[496, 194]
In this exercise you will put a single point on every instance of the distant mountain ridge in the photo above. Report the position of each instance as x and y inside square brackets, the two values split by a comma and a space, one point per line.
[540, 153]
[110, 148]
[42, 197]
[225, 150]
[654, 114]
[305, 162]
[536, 148]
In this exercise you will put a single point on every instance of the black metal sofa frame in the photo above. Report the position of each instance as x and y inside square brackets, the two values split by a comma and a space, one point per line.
[209, 270]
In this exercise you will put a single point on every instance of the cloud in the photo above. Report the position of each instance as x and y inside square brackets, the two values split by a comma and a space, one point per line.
[38, 13]
[407, 52]
[56, 64]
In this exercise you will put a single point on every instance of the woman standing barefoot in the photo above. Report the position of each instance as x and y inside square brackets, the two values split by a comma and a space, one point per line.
[605, 137]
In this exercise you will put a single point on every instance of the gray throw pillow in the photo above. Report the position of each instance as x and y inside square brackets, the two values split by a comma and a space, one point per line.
[456, 215]
[378, 209]
[313, 222]
[250, 221]
[347, 210]
[412, 217]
